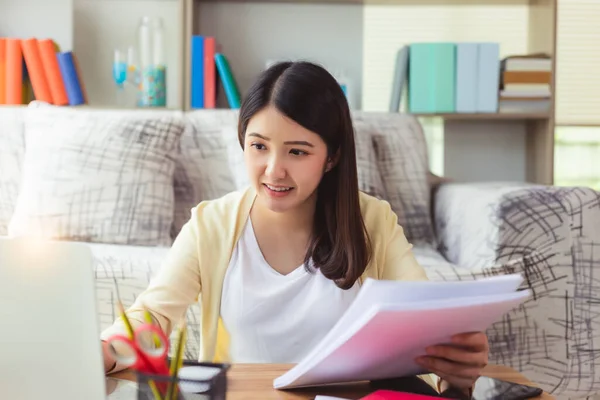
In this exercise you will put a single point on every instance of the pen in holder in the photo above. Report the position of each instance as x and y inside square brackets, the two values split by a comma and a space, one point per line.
[195, 381]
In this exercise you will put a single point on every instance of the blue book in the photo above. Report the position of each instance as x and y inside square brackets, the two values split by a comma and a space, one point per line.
[488, 74]
[466, 77]
[432, 75]
[400, 77]
[229, 84]
[197, 72]
[71, 78]
[420, 99]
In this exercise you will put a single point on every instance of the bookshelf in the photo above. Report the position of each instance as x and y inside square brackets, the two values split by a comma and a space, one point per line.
[487, 116]
[541, 37]
[189, 17]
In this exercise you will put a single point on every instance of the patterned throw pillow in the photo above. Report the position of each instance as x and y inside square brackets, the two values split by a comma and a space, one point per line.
[401, 154]
[202, 170]
[12, 150]
[98, 176]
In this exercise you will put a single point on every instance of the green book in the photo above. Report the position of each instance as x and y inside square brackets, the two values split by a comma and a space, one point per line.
[431, 77]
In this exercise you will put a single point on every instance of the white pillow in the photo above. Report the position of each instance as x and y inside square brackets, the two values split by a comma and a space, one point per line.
[98, 176]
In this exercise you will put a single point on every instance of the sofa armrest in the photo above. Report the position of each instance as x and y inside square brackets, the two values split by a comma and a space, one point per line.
[488, 223]
[468, 219]
[551, 236]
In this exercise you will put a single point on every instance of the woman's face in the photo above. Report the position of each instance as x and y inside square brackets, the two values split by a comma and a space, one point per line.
[285, 161]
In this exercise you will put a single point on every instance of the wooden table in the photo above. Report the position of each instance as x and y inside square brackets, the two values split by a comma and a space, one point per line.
[255, 382]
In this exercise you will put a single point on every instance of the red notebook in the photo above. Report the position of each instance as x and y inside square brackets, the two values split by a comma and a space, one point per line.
[35, 67]
[392, 395]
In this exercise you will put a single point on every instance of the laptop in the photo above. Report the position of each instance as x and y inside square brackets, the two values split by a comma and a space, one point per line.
[49, 341]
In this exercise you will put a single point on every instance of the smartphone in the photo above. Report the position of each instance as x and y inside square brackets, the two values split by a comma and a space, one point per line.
[495, 389]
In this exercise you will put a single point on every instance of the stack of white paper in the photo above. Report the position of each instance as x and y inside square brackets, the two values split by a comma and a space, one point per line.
[390, 323]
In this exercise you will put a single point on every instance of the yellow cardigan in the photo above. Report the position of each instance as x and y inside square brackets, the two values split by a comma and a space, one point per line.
[198, 259]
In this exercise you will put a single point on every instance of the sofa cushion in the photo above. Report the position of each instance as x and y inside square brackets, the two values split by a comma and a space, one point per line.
[401, 154]
[98, 176]
[12, 151]
[202, 171]
[436, 266]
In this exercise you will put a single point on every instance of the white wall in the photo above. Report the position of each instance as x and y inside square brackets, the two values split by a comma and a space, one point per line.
[103, 25]
[43, 19]
[251, 34]
[480, 151]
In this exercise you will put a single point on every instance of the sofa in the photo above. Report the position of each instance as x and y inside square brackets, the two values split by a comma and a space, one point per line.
[124, 182]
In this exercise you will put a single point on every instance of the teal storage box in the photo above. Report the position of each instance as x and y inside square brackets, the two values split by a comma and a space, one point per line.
[432, 78]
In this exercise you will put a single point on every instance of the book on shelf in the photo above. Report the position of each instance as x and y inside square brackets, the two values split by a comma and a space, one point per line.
[477, 77]
[208, 67]
[31, 69]
[13, 77]
[458, 77]
[56, 84]
[2, 71]
[399, 79]
[405, 318]
[35, 68]
[431, 77]
[67, 62]
[526, 83]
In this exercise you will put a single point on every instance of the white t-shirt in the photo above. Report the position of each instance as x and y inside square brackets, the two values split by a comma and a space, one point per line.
[275, 318]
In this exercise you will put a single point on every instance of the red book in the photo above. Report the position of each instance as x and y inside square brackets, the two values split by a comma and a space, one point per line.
[2, 71]
[393, 395]
[37, 75]
[210, 90]
[53, 76]
[14, 72]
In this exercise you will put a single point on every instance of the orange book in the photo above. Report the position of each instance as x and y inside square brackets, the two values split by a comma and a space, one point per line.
[210, 89]
[2, 71]
[35, 68]
[527, 77]
[14, 72]
[53, 76]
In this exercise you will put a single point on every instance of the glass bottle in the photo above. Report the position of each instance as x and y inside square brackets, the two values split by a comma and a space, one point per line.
[152, 63]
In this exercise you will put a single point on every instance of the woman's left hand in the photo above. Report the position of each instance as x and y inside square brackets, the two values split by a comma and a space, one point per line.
[459, 363]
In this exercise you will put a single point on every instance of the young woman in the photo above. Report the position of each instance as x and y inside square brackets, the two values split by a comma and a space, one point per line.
[277, 264]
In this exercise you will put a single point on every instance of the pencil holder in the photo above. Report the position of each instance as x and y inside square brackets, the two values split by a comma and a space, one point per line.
[195, 381]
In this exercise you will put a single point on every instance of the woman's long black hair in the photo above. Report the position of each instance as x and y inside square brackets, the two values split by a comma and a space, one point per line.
[310, 96]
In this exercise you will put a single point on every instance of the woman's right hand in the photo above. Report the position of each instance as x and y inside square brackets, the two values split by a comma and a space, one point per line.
[109, 360]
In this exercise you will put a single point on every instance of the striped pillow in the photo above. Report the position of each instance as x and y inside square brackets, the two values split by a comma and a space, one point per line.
[402, 159]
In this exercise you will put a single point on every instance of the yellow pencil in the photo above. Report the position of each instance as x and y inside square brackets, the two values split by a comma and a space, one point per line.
[149, 320]
[130, 334]
[128, 326]
[176, 362]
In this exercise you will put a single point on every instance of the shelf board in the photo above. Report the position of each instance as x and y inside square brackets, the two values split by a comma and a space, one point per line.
[486, 116]
[383, 2]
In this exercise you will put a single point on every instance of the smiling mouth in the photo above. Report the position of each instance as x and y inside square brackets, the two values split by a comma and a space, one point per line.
[278, 188]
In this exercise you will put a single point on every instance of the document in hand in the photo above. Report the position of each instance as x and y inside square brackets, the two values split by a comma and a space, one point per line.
[390, 323]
